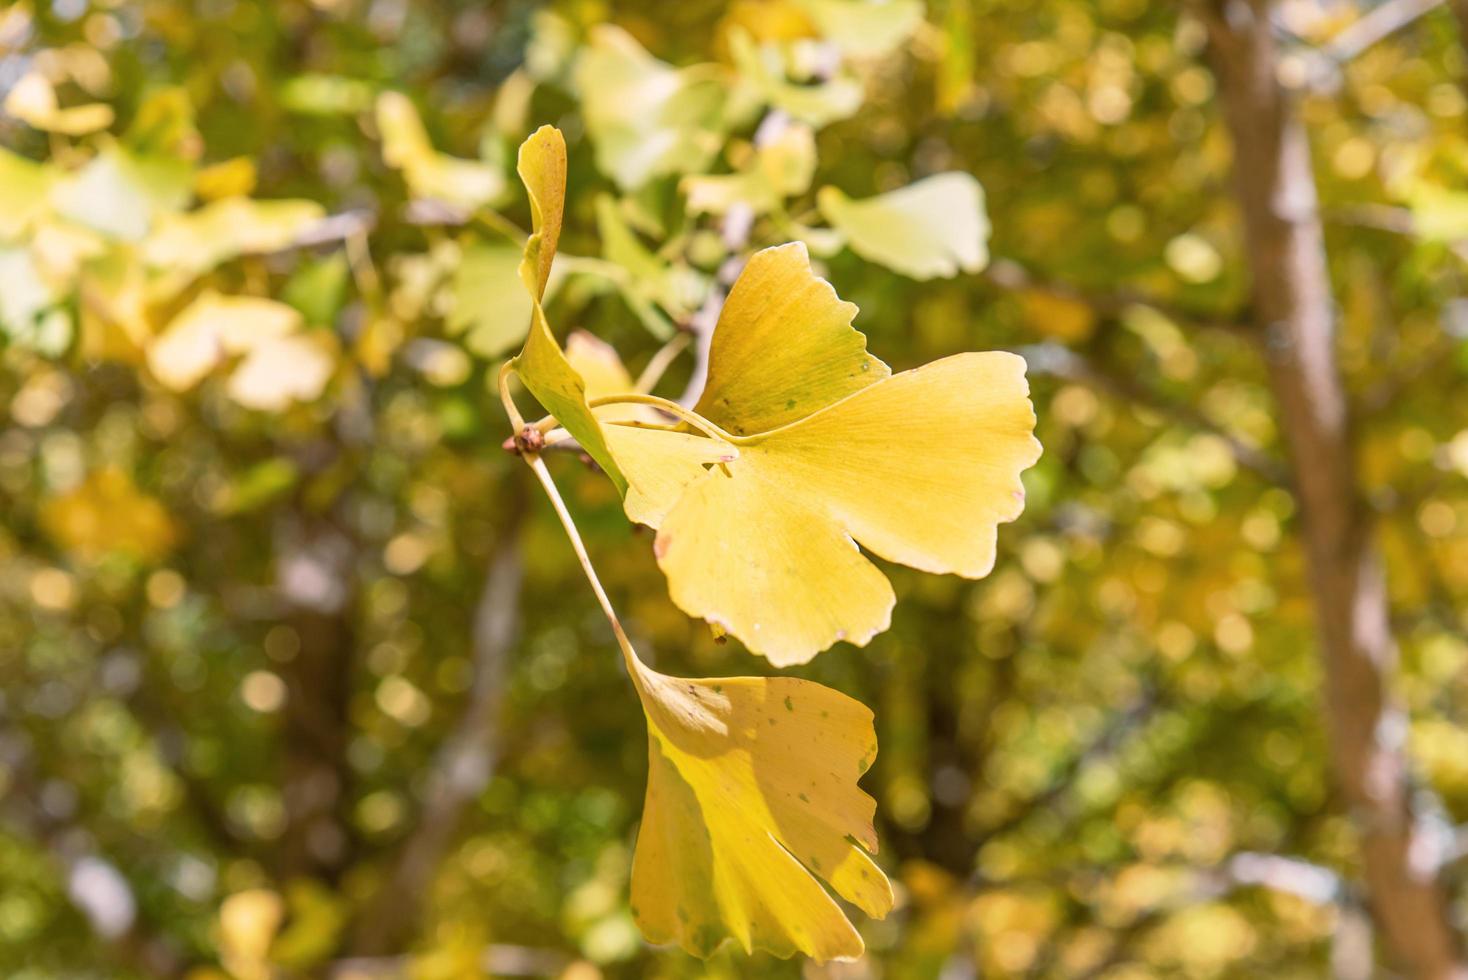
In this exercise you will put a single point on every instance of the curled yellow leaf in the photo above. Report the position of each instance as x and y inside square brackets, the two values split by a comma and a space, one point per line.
[752, 792]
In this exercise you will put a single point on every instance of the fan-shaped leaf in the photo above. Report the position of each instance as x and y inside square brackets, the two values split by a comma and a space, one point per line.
[934, 227]
[752, 792]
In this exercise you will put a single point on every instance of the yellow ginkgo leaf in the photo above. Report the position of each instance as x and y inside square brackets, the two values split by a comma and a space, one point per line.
[283, 370]
[212, 328]
[541, 365]
[32, 100]
[752, 792]
[919, 468]
[428, 173]
[930, 228]
[657, 462]
[199, 240]
[108, 514]
[784, 346]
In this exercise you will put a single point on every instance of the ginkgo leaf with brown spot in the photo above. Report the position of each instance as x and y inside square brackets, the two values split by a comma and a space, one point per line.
[834, 452]
[752, 793]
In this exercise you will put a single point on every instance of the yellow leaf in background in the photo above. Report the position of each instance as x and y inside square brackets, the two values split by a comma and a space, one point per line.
[248, 922]
[120, 193]
[752, 792]
[604, 374]
[762, 71]
[429, 174]
[32, 100]
[777, 171]
[282, 370]
[234, 177]
[1051, 315]
[212, 328]
[647, 118]
[542, 366]
[108, 514]
[24, 186]
[919, 467]
[930, 228]
[197, 241]
[765, 21]
[864, 28]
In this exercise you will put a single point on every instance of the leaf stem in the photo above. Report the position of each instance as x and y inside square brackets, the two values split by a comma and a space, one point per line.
[537, 465]
[516, 421]
[672, 408]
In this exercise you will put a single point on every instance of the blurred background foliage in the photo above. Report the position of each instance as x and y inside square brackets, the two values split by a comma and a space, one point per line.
[298, 677]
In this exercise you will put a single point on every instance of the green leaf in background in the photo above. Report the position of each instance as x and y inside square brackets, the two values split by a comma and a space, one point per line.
[864, 28]
[934, 227]
[489, 305]
[431, 175]
[762, 70]
[778, 170]
[651, 285]
[318, 288]
[315, 94]
[24, 185]
[646, 118]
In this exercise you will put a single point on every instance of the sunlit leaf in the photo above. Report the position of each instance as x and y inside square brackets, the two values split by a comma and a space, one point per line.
[282, 370]
[199, 240]
[32, 100]
[774, 172]
[646, 118]
[108, 514]
[784, 347]
[934, 227]
[762, 68]
[24, 185]
[752, 793]
[120, 193]
[428, 173]
[864, 28]
[541, 365]
[919, 468]
[212, 328]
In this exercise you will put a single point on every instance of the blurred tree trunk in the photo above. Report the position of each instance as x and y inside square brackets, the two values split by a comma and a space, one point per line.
[466, 761]
[1294, 313]
[316, 577]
